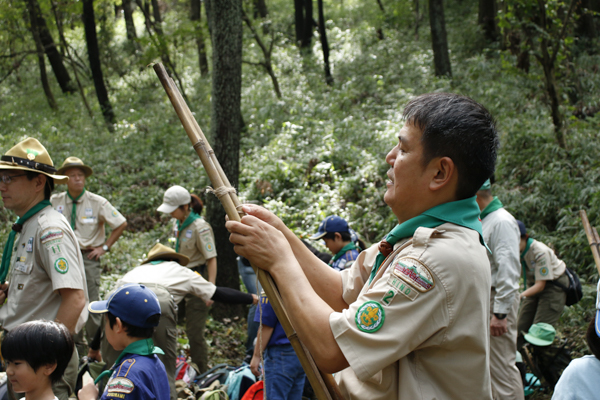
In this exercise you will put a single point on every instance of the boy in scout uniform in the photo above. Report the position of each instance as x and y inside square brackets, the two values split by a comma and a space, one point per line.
[87, 214]
[409, 319]
[41, 259]
[543, 300]
[501, 233]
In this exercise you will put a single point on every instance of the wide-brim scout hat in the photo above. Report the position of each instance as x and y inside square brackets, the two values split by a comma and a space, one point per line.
[162, 252]
[174, 197]
[31, 155]
[133, 303]
[74, 162]
[331, 224]
[540, 334]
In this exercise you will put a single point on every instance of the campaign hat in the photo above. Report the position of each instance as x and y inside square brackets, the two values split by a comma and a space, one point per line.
[74, 162]
[164, 253]
[31, 155]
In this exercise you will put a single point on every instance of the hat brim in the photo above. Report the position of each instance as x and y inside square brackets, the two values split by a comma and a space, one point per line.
[537, 341]
[87, 171]
[98, 307]
[58, 179]
[166, 208]
[317, 236]
[168, 256]
[598, 323]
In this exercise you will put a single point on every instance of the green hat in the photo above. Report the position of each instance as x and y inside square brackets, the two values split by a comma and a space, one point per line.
[487, 185]
[541, 334]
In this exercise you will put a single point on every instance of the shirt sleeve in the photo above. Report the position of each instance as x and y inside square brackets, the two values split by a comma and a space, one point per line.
[543, 265]
[200, 287]
[110, 214]
[206, 242]
[504, 245]
[60, 257]
[266, 312]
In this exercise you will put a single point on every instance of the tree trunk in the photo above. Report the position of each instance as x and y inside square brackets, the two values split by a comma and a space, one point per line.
[195, 17]
[439, 42]
[89, 23]
[324, 43]
[260, 9]
[309, 24]
[488, 9]
[225, 22]
[299, 20]
[40, 55]
[129, 24]
[585, 24]
[157, 17]
[54, 56]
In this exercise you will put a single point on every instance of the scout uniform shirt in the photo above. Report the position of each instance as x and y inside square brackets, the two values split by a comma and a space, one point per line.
[542, 264]
[138, 378]
[420, 329]
[46, 258]
[197, 242]
[92, 212]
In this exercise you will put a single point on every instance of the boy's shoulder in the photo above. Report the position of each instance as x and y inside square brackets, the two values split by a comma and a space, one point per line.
[138, 377]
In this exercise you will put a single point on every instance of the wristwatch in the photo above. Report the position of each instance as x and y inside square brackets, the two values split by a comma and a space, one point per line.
[500, 316]
[105, 248]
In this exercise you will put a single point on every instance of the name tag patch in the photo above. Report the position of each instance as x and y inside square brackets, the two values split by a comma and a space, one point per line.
[60, 208]
[402, 287]
[23, 267]
[29, 247]
[88, 220]
[188, 233]
[414, 272]
[89, 212]
[370, 317]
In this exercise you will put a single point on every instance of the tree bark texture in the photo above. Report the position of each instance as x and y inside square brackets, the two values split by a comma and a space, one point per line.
[324, 43]
[54, 56]
[260, 9]
[196, 18]
[585, 25]
[439, 42]
[225, 21]
[89, 23]
[488, 9]
[304, 22]
[129, 24]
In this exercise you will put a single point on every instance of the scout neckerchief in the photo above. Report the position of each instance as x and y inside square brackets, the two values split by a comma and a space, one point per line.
[180, 227]
[494, 205]
[74, 209]
[8, 248]
[348, 247]
[523, 264]
[462, 212]
[144, 347]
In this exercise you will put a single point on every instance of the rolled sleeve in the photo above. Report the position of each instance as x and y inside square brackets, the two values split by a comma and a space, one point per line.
[504, 245]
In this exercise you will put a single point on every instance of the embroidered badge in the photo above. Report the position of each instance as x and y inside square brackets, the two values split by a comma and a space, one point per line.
[188, 233]
[370, 317]
[31, 154]
[403, 287]
[543, 271]
[21, 266]
[388, 297]
[51, 235]
[89, 212]
[201, 231]
[114, 212]
[61, 265]
[120, 385]
[55, 249]
[209, 247]
[29, 247]
[60, 208]
[414, 272]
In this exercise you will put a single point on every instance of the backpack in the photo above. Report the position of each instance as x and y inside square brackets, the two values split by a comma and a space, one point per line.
[574, 291]
[219, 372]
[239, 381]
[256, 392]
[217, 394]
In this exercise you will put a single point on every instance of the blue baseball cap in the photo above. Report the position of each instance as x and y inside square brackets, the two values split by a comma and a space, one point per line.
[331, 224]
[522, 228]
[132, 303]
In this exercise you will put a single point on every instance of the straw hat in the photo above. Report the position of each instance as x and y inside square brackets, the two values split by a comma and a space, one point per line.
[31, 155]
[162, 252]
[74, 162]
[541, 334]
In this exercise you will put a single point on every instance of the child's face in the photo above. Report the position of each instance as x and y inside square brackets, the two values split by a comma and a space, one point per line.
[23, 378]
[334, 245]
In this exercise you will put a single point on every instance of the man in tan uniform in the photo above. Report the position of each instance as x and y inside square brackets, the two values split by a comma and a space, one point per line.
[41, 259]
[409, 319]
[88, 213]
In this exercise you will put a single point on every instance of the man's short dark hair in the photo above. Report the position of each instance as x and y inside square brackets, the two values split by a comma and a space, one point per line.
[136, 331]
[592, 339]
[48, 189]
[457, 127]
[331, 235]
[40, 343]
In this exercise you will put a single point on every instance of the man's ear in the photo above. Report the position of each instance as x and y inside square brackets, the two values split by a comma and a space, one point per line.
[118, 327]
[337, 236]
[444, 173]
[48, 369]
[40, 182]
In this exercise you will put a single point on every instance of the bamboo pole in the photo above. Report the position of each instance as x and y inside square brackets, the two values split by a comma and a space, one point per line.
[592, 236]
[323, 384]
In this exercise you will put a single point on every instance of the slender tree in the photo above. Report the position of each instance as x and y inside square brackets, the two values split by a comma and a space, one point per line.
[260, 9]
[225, 22]
[304, 22]
[324, 43]
[129, 23]
[89, 24]
[488, 9]
[439, 42]
[195, 17]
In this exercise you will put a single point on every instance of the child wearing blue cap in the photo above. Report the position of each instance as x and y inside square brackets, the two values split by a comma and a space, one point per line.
[132, 314]
[338, 238]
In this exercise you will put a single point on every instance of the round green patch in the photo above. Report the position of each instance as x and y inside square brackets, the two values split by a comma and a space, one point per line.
[61, 265]
[370, 317]
[543, 271]
[209, 247]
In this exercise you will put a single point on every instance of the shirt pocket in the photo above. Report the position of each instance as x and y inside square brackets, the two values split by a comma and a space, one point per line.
[23, 265]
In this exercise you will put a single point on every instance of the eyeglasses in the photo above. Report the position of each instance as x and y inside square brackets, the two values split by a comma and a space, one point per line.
[7, 179]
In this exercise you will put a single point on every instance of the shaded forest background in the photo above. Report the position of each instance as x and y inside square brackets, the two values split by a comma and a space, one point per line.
[302, 100]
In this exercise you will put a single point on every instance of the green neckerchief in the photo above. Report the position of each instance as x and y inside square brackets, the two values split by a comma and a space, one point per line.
[494, 205]
[523, 264]
[74, 208]
[8, 248]
[462, 212]
[144, 347]
[180, 227]
[155, 262]
[349, 246]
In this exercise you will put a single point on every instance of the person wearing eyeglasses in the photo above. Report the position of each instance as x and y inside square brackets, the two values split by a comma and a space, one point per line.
[42, 273]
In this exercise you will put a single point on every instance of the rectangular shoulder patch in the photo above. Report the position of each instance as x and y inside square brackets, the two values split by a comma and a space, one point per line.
[51, 234]
[413, 272]
[402, 287]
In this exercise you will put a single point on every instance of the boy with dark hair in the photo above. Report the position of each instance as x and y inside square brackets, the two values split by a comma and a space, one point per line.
[335, 232]
[132, 314]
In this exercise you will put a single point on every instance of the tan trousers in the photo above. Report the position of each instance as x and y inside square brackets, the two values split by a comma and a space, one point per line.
[506, 379]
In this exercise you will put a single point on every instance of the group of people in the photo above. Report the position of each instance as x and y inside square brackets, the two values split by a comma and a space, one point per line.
[430, 311]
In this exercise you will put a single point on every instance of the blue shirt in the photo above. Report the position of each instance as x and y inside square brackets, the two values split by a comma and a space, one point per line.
[348, 257]
[138, 378]
[580, 380]
[278, 337]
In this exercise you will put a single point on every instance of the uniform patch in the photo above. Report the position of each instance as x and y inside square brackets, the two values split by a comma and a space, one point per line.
[60, 208]
[120, 385]
[20, 286]
[23, 267]
[403, 287]
[29, 247]
[188, 233]
[52, 243]
[114, 212]
[388, 297]
[543, 271]
[89, 220]
[61, 265]
[55, 249]
[209, 247]
[89, 212]
[370, 317]
[51, 235]
[201, 231]
[414, 272]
